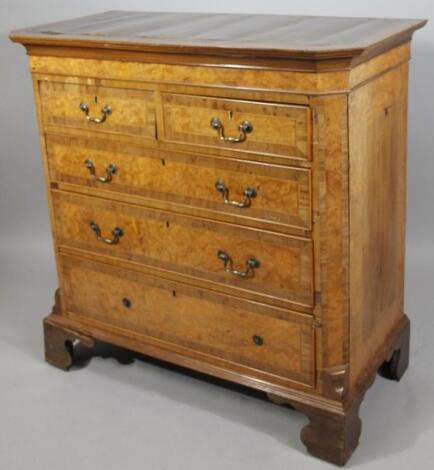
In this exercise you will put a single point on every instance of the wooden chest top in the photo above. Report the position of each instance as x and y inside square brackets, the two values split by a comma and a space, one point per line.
[242, 35]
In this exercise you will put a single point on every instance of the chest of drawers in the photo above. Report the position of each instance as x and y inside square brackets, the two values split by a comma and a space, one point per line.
[227, 193]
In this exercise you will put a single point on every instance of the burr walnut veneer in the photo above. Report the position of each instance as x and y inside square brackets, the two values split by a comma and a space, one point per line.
[227, 193]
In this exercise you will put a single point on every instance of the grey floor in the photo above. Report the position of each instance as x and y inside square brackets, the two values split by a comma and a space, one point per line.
[144, 416]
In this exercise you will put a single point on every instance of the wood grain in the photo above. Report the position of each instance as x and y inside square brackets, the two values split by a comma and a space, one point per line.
[165, 69]
[331, 236]
[256, 36]
[285, 83]
[283, 194]
[281, 130]
[379, 65]
[133, 111]
[378, 135]
[189, 317]
[331, 436]
[189, 246]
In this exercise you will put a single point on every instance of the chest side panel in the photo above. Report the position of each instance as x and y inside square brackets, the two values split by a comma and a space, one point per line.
[378, 134]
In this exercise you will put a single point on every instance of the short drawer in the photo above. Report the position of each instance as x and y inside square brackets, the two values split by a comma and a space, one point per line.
[98, 108]
[259, 337]
[250, 191]
[254, 263]
[240, 126]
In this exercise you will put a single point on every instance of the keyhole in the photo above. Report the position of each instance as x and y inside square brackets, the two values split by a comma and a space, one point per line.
[231, 114]
[167, 223]
[174, 293]
[163, 162]
[258, 340]
[96, 99]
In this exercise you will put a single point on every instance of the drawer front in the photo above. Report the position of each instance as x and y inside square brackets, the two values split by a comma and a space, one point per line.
[265, 128]
[190, 246]
[131, 112]
[260, 337]
[268, 193]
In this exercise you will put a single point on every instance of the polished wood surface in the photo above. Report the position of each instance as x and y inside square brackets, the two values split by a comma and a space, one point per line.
[325, 153]
[281, 130]
[192, 318]
[189, 180]
[133, 111]
[331, 219]
[225, 34]
[283, 83]
[378, 136]
[284, 277]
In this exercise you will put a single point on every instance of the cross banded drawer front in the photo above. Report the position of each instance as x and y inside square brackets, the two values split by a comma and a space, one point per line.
[98, 108]
[191, 247]
[237, 125]
[252, 191]
[193, 318]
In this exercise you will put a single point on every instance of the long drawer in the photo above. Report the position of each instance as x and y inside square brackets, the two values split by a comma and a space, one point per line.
[252, 192]
[236, 125]
[112, 110]
[259, 337]
[272, 267]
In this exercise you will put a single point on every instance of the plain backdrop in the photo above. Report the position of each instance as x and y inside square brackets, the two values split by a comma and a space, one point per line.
[145, 416]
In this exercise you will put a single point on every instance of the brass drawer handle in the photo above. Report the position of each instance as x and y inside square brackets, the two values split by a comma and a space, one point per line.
[249, 194]
[110, 171]
[105, 111]
[116, 232]
[251, 264]
[245, 128]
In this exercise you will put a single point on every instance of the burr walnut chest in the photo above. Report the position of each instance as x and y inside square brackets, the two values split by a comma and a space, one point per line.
[227, 193]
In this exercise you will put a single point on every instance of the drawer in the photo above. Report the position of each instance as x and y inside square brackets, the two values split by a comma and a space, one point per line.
[268, 193]
[277, 268]
[257, 127]
[256, 336]
[122, 111]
